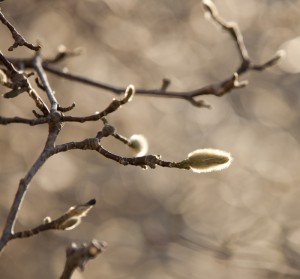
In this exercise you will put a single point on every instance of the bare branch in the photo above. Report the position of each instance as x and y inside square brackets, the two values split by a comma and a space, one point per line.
[78, 256]
[233, 29]
[40, 71]
[54, 129]
[216, 89]
[20, 83]
[198, 161]
[31, 122]
[273, 61]
[143, 161]
[19, 40]
[66, 109]
[69, 220]
[113, 106]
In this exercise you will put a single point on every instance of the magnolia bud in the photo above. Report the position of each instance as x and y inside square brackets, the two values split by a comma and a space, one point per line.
[70, 223]
[47, 220]
[129, 93]
[208, 159]
[138, 144]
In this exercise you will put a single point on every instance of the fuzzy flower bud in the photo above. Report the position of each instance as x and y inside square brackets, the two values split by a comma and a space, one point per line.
[47, 220]
[138, 144]
[208, 159]
[129, 93]
[70, 224]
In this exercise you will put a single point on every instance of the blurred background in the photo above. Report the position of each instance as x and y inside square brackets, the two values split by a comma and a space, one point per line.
[242, 222]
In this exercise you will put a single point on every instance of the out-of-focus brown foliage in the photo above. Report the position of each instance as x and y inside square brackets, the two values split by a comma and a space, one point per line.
[240, 223]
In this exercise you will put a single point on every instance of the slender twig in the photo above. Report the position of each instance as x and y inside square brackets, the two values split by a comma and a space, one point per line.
[217, 89]
[112, 107]
[9, 66]
[233, 29]
[31, 122]
[120, 138]
[19, 40]
[66, 109]
[43, 77]
[143, 161]
[20, 81]
[72, 217]
[116, 135]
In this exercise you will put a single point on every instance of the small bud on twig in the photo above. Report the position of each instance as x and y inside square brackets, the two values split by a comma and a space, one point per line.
[129, 93]
[138, 144]
[47, 220]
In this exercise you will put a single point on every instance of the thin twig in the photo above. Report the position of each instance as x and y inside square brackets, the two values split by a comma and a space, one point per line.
[20, 81]
[19, 39]
[112, 107]
[72, 217]
[43, 77]
[233, 29]
[66, 109]
[217, 89]
[143, 161]
[31, 122]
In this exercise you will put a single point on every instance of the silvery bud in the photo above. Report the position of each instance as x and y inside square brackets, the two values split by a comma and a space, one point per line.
[208, 159]
[138, 144]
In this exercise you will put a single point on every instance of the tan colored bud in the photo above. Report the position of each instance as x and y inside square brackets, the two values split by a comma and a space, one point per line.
[47, 220]
[129, 93]
[138, 144]
[70, 223]
[208, 159]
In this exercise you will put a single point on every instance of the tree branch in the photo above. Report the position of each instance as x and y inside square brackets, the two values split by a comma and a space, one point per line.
[233, 29]
[217, 89]
[143, 161]
[54, 129]
[37, 63]
[20, 83]
[31, 122]
[69, 220]
[19, 40]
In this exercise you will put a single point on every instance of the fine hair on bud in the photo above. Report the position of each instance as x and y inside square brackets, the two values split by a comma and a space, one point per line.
[209, 159]
[129, 93]
[138, 145]
[47, 220]
[70, 223]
